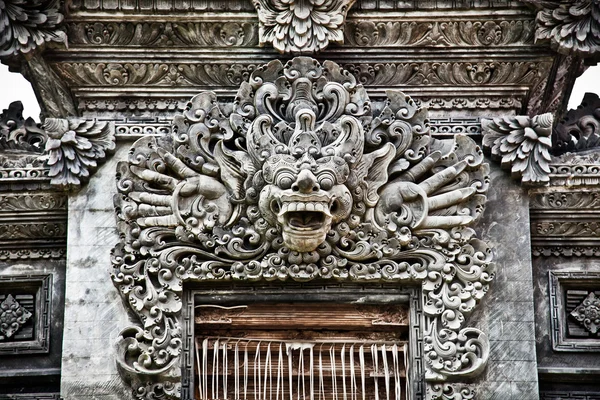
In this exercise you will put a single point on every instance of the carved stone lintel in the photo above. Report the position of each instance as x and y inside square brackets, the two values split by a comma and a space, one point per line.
[570, 26]
[300, 179]
[522, 144]
[75, 147]
[301, 26]
[26, 25]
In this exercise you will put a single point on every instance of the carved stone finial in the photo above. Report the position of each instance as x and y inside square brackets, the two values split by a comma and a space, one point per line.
[571, 27]
[26, 25]
[75, 147]
[579, 131]
[18, 134]
[522, 144]
[301, 26]
[300, 179]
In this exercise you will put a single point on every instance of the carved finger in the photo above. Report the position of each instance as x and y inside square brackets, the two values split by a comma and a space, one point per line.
[430, 185]
[151, 198]
[154, 177]
[150, 210]
[444, 222]
[421, 168]
[176, 164]
[166, 220]
[447, 199]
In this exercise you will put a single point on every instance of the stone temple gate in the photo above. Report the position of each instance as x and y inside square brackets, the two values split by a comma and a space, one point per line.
[318, 199]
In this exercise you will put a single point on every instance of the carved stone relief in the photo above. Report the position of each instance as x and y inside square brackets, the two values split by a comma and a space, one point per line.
[522, 144]
[305, 26]
[588, 313]
[300, 179]
[12, 316]
[26, 25]
[571, 26]
[580, 129]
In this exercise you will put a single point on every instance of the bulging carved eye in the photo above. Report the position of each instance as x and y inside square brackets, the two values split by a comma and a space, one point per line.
[285, 181]
[326, 183]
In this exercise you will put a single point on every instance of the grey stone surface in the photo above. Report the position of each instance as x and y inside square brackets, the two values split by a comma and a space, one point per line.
[94, 314]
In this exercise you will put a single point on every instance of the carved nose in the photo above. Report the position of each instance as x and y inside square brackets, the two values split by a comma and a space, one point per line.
[306, 182]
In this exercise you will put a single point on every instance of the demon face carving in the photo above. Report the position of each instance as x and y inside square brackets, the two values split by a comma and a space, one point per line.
[302, 177]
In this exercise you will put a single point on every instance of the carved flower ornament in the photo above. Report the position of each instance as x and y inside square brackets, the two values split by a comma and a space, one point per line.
[301, 26]
[299, 179]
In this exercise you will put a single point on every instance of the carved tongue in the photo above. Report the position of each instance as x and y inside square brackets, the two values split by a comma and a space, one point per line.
[307, 219]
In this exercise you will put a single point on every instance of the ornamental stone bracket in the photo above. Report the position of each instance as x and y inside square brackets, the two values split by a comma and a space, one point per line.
[300, 179]
[301, 26]
[522, 144]
[62, 151]
[571, 27]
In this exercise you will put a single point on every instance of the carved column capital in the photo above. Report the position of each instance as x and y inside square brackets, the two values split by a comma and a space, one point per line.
[27, 25]
[522, 144]
[301, 26]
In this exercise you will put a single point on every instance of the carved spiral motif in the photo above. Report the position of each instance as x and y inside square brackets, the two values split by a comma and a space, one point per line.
[299, 179]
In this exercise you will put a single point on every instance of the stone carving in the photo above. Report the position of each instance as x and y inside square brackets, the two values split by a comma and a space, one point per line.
[26, 25]
[18, 134]
[301, 179]
[362, 33]
[580, 130]
[448, 391]
[521, 144]
[233, 74]
[12, 316]
[197, 34]
[570, 26]
[75, 147]
[588, 313]
[305, 26]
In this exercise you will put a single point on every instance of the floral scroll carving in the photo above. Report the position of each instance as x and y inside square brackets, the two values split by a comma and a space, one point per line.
[300, 179]
[522, 144]
[306, 26]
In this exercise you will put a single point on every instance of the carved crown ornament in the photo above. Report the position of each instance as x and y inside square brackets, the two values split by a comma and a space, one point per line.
[300, 179]
[301, 26]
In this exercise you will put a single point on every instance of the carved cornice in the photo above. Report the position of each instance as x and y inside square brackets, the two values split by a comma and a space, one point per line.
[522, 144]
[447, 33]
[228, 74]
[220, 200]
[75, 147]
[27, 25]
[301, 26]
[571, 27]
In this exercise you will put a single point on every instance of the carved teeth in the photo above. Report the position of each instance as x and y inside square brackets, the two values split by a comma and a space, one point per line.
[296, 206]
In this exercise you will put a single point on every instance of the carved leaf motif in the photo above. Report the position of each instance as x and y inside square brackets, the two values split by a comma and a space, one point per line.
[301, 179]
[26, 25]
[17, 133]
[75, 147]
[588, 313]
[580, 129]
[571, 26]
[301, 26]
[12, 316]
[522, 144]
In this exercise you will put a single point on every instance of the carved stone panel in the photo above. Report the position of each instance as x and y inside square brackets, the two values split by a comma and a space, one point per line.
[300, 179]
[575, 311]
[25, 314]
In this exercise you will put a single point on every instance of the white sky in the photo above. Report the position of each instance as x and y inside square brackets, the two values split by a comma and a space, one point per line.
[15, 87]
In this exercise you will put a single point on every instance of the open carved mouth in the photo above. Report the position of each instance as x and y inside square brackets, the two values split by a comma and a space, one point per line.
[305, 216]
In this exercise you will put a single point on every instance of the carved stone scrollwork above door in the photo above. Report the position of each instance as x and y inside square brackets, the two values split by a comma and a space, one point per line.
[300, 179]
